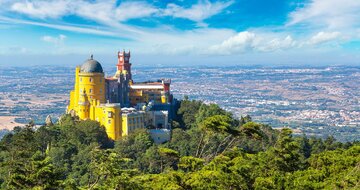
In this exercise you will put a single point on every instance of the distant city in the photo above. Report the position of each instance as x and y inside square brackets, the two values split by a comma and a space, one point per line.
[317, 101]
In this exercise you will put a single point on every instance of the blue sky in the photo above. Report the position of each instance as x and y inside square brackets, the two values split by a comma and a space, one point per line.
[308, 32]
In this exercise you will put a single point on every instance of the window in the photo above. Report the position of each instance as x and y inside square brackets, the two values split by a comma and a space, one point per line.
[90, 79]
[100, 80]
[90, 90]
[100, 91]
[109, 114]
[109, 121]
[80, 79]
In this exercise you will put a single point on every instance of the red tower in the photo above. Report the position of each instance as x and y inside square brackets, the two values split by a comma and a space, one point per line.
[124, 62]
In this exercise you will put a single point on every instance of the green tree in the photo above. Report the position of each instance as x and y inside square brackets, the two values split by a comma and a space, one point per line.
[169, 180]
[135, 147]
[180, 141]
[189, 163]
[286, 154]
[169, 158]
[211, 128]
[109, 171]
[206, 111]
[245, 119]
[186, 113]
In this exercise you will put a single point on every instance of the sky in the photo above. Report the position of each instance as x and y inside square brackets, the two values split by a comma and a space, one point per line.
[183, 32]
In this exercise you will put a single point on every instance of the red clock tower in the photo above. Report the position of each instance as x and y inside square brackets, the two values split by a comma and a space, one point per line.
[124, 62]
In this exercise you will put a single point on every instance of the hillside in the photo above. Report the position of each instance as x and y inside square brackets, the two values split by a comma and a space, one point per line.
[209, 149]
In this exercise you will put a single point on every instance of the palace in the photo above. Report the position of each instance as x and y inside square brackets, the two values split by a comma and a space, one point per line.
[120, 104]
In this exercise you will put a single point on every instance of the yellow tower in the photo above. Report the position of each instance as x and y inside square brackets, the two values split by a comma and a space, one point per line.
[91, 78]
[83, 107]
[87, 100]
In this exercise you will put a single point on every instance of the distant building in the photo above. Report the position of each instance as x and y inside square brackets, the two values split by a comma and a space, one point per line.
[132, 120]
[160, 135]
[118, 103]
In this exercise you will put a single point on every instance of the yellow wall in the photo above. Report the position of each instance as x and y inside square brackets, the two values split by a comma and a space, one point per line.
[90, 105]
[132, 121]
[124, 126]
[83, 106]
[143, 95]
[94, 85]
[111, 119]
[163, 99]
[71, 102]
[76, 88]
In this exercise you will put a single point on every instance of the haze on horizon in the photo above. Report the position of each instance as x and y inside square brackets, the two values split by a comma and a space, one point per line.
[198, 32]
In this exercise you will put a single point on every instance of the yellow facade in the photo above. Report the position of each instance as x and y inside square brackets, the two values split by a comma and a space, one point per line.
[94, 85]
[87, 100]
[83, 106]
[145, 95]
[132, 121]
[109, 115]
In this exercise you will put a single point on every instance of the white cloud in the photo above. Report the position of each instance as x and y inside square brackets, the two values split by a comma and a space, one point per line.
[243, 41]
[72, 28]
[107, 12]
[323, 37]
[111, 17]
[101, 11]
[278, 44]
[130, 10]
[198, 12]
[178, 42]
[57, 40]
[42, 9]
[248, 41]
[333, 14]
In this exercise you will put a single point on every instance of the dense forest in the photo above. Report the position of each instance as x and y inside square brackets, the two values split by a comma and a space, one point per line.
[209, 149]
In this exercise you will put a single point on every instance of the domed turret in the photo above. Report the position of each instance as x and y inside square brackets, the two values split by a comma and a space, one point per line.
[91, 66]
